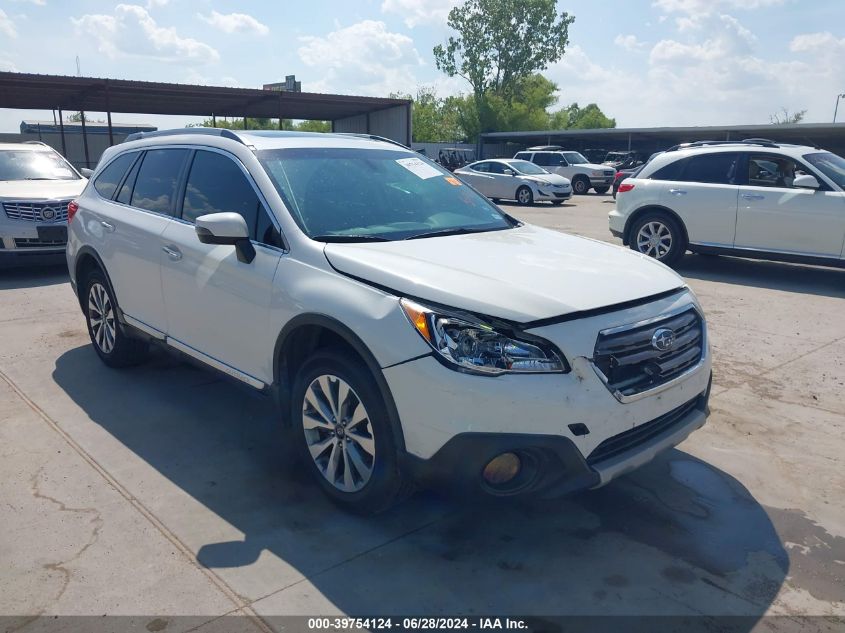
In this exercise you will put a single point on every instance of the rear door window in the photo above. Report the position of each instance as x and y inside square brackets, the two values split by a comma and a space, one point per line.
[155, 187]
[108, 180]
[523, 156]
[542, 158]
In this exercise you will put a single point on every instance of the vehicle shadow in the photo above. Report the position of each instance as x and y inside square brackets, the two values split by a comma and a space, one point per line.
[32, 277]
[829, 282]
[678, 537]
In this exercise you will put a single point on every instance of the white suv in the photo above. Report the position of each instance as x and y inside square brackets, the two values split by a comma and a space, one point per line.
[754, 198]
[409, 330]
[36, 185]
[583, 174]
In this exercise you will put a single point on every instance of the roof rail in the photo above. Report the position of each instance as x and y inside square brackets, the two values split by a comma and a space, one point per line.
[545, 148]
[373, 137]
[200, 131]
[762, 142]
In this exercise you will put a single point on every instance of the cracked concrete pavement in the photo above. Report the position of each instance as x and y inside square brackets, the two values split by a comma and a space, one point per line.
[163, 490]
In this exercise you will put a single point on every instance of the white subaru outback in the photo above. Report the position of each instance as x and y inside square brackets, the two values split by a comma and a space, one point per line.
[409, 330]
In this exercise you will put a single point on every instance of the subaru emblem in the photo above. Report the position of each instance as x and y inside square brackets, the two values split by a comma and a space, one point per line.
[663, 339]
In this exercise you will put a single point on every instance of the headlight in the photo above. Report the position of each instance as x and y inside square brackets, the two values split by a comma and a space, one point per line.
[467, 344]
[596, 173]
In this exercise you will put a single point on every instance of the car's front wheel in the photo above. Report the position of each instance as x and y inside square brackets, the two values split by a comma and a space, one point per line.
[580, 185]
[345, 436]
[524, 196]
[114, 347]
[658, 235]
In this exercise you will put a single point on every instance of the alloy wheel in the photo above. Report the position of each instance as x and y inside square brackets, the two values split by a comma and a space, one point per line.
[524, 196]
[101, 317]
[654, 239]
[338, 433]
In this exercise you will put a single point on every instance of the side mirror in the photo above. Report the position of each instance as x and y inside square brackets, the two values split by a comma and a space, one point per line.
[86, 172]
[226, 228]
[805, 181]
[508, 172]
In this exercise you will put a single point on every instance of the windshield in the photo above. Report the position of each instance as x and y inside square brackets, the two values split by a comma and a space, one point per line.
[369, 194]
[525, 167]
[830, 165]
[30, 165]
[574, 158]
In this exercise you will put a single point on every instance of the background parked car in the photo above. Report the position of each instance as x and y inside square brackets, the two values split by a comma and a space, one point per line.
[36, 185]
[623, 160]
[621, 175]
[453, 158]
[583, 174]
[520, 180]
[753, 198]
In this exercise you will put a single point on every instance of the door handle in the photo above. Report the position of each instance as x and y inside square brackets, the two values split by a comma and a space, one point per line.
[109, 228]
[172, 252]
[753, 196]
[678, 192]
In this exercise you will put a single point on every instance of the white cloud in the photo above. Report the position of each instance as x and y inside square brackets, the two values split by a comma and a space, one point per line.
[234, 23]
[7, 27]
[131, 31]
[39, 3]
[6, 65]
[693, 7]
[629, 42]
[152, 4]
[817, 42]
[418, 12]
[364, 58]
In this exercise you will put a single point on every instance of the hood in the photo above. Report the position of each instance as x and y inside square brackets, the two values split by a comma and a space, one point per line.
[521, 274]
[41, 189]
[594, 166]
[549, 179]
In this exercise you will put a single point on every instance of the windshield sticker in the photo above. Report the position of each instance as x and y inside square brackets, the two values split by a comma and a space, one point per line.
[419, 168]
[452, 181]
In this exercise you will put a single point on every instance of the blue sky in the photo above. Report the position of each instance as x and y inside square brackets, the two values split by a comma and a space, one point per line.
[645, 62]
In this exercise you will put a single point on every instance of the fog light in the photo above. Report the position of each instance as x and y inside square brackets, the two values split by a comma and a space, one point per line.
[501, 469]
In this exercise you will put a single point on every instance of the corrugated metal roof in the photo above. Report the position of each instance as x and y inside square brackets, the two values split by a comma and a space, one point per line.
[47, 92]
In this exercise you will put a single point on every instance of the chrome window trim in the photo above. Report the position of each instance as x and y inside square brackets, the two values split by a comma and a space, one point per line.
[666, 385]
[283, 249]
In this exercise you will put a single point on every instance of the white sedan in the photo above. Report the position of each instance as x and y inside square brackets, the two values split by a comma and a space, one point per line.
[520, 180]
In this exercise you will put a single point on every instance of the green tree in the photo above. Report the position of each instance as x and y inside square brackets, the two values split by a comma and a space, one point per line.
[434, 119]
[587, 118]
[264, 124]
[313, 126]
[499, 43]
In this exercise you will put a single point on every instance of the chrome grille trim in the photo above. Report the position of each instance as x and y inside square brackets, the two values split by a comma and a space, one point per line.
[30, 211]
[629, 346]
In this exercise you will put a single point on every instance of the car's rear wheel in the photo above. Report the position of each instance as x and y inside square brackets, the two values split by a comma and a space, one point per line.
[524, 196]
[602, 190]
[112, 344]
[658, 235]
[345, 435]
[580, 185]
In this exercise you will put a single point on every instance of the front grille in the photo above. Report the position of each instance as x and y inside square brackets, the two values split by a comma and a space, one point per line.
[34, 242]
[630, 363]
[632, 438]
[609, 172]
[37, 211]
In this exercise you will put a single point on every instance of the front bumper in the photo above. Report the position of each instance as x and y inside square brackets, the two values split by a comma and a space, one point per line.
[22, 245]
[553, 465]
[601, 181]
[551, 195]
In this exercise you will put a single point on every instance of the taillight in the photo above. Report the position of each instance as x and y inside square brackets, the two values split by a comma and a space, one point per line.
[625, 186]
[72, 208]
[619, 175]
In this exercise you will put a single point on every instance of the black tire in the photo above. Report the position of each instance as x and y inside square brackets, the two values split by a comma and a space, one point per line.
[111, 342]
[524, 196]
[602, 190]
[496, 200]
[385, 484]
[557, 203]
[580, 185]
[662, 224]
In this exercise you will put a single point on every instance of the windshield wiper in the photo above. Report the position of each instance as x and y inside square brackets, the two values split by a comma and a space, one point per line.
[349, 238]
[458, 230]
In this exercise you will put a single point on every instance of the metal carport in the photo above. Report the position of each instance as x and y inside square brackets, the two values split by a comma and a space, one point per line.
[390, 118]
